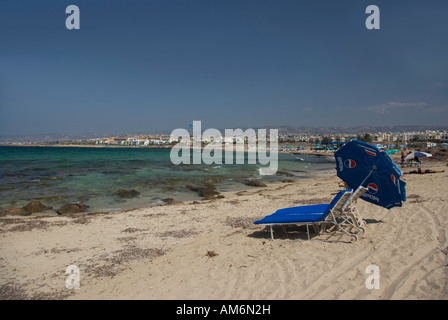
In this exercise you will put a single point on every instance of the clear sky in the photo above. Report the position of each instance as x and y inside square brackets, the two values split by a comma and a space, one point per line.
[160, 64]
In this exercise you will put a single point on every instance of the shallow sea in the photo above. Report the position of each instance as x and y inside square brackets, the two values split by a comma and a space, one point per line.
[58, 175]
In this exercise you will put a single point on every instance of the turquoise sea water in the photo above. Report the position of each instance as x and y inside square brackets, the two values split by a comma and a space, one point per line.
[58, 175]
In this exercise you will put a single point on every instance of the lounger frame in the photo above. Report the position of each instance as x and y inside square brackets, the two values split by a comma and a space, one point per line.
[343, 217]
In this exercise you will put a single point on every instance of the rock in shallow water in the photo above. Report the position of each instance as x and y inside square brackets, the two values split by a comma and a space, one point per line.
[168, 200]
[14, 212]
[122, 193]
[72, 208]
[207, 190]
[255, 183]
[32, 207]
[36, 206]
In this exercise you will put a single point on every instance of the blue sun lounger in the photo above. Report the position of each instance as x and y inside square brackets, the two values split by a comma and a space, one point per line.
[313, 214]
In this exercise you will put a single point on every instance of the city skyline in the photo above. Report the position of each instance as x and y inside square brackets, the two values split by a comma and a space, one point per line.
[134, 66]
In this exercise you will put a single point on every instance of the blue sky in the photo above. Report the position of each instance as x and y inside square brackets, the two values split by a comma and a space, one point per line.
[159, 65]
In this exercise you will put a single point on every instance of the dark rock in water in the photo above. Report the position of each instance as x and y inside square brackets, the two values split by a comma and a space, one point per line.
[288, 180]
[168, 200]
[32, 207]
[285, 173]
[127, 193]
[206, 190]
[72, 208]
[53, 198]
[215, 180]
[255, 183]
[36, 206]
[14, 212]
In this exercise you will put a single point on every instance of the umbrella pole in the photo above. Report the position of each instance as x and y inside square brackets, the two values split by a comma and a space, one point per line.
[361, 185]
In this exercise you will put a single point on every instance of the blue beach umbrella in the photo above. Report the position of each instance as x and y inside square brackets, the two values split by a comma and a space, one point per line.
[362, 164]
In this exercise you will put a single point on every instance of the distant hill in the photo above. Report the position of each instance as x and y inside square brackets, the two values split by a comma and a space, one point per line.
[353, 130]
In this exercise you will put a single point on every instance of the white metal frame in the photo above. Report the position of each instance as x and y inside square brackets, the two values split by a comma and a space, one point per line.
[330, 219]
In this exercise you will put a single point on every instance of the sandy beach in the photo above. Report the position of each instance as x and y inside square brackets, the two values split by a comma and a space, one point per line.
[212, 249]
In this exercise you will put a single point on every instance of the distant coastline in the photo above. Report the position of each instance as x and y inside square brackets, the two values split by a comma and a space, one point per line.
[306, 151]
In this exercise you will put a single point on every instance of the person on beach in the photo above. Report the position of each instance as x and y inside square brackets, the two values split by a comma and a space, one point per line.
[420, 171]
[403, 155]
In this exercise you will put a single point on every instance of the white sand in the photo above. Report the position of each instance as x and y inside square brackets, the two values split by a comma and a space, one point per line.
[407, 244]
